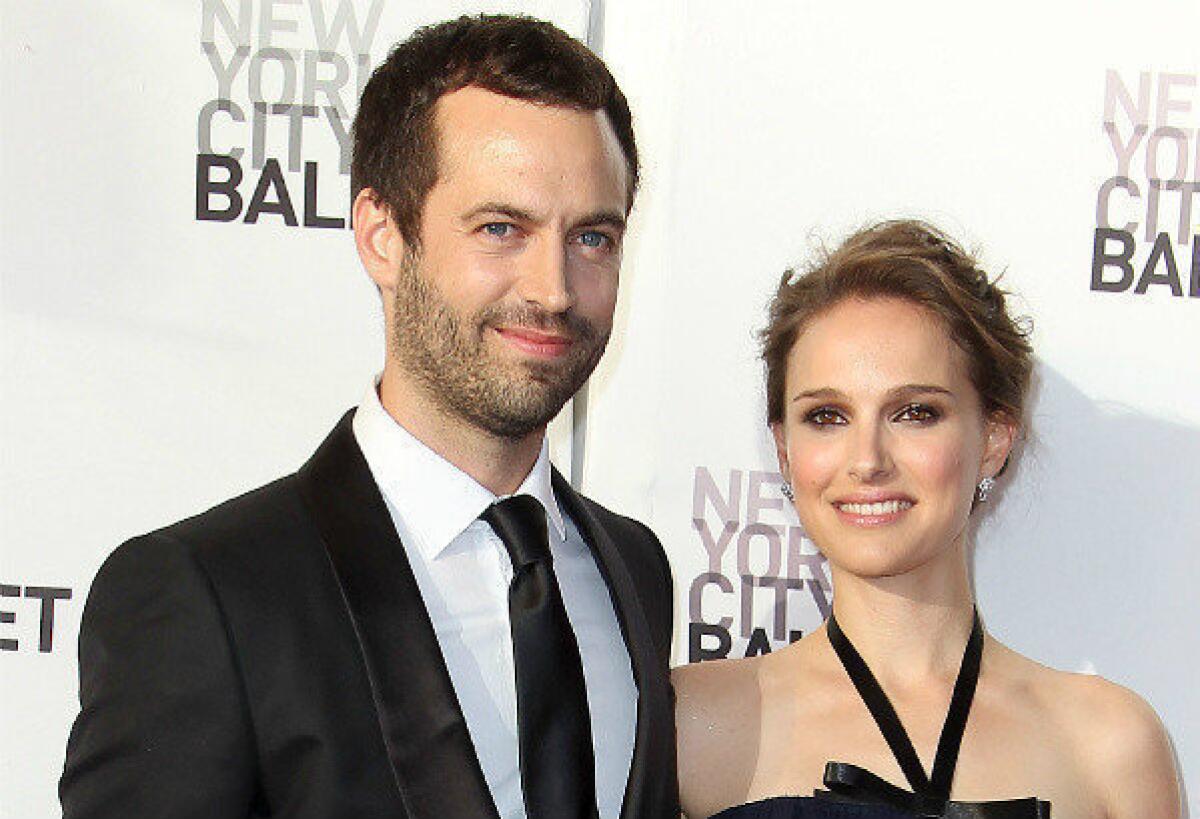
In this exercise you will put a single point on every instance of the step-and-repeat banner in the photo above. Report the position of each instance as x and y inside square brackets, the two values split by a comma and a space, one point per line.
[183, 316]
[1061, 141]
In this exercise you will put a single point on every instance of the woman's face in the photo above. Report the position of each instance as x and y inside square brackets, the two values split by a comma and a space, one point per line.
[883, 437]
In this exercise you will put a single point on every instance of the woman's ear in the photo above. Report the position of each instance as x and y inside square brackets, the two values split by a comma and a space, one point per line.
[779, 433]
[1001, 431]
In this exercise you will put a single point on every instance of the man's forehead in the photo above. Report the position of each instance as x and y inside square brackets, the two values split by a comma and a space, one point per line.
[485, 130]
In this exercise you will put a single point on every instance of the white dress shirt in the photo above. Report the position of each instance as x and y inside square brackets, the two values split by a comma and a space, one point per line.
[463, 572]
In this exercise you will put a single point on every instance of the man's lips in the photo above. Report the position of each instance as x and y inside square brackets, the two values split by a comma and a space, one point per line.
[536, 342]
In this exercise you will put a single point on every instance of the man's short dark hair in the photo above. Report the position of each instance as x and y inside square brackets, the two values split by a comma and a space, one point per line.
[395, 138]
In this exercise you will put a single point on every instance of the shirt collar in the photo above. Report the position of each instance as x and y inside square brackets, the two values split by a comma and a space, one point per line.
[436, 500]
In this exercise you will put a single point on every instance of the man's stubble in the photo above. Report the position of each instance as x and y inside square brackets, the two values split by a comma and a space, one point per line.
[448, 355]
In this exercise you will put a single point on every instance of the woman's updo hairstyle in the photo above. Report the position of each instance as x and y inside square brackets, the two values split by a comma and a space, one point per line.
[915, 262]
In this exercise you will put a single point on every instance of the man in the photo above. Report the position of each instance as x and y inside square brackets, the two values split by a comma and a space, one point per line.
[377, 635]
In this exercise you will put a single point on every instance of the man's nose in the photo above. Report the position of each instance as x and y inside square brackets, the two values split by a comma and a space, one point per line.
[545, 277]
[870, 459]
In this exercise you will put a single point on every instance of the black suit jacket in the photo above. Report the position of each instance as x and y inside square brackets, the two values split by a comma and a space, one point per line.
[273, 657]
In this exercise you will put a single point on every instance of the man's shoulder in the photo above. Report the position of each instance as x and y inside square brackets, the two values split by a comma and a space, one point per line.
[644, 556]
[249, 529]
[637, 541]
[617, 524]
[259, 513]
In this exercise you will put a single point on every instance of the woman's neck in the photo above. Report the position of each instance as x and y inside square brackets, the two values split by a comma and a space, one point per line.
[910, 628]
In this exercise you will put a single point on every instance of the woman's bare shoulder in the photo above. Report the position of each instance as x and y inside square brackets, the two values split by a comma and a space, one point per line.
[724, 696]
[1116, 734]
[720, 711]
[715, 701]
[1124, 745]
[717, 712]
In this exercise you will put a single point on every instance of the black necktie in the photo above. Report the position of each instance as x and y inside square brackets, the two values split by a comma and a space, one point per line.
[558, 775]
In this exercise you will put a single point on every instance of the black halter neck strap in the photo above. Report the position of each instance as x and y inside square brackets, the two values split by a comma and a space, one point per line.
[936, 786]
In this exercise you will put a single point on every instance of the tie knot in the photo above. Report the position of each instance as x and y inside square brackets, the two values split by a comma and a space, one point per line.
[520, 522]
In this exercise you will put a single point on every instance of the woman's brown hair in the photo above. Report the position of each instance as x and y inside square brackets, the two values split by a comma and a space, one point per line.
[915, 262]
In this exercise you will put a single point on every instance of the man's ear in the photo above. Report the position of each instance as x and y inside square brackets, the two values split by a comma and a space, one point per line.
[780, 436]
[1001, 432]
[380, 245]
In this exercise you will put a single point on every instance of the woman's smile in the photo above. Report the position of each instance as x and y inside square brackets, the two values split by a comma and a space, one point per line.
[873, 512]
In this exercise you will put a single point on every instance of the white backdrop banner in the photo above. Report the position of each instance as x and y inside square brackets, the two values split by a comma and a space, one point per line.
[182, 315]
[1059, 139]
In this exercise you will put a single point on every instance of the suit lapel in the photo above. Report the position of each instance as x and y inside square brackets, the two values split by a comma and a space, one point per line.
[431, 753]
[646, 795]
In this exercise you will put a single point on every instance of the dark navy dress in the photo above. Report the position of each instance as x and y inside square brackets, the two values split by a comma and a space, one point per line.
[855, 793]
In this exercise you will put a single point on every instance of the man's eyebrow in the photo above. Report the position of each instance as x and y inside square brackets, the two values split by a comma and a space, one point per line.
[613, 219]
[501, 209]
[895, 392]
[610, 218]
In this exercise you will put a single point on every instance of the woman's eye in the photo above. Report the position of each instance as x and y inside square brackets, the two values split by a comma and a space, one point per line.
[824, 416]
[918, 413]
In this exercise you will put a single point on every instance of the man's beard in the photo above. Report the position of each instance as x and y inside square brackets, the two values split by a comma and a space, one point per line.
[447, 354]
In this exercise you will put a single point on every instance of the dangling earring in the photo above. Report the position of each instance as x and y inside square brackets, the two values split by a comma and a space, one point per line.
[786, 491]
[984, 489]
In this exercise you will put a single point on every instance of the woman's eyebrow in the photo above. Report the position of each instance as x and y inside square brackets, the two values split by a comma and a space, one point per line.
[828, 393]
[819, 392]
[918, 389]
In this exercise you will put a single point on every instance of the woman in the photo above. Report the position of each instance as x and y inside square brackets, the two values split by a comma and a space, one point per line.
[896, 387]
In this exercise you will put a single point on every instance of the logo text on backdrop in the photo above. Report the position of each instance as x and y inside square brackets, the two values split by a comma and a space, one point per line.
[30, 601]
[286, 76]
[762, 578]
[1147, 212]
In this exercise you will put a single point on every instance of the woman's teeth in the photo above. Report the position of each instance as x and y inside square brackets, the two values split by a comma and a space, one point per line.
[881, 508]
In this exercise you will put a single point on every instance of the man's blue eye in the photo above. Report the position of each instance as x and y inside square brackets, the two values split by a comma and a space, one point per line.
[497, 229]
[593, 238]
